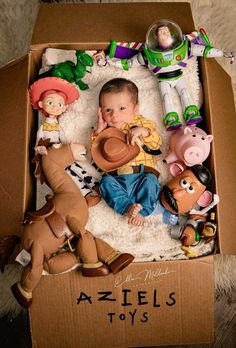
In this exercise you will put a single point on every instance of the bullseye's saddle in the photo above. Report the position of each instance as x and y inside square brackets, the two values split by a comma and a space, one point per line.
[54, 219]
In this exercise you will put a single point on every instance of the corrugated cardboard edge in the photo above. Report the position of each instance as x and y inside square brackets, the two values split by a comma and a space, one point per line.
[219, 104]
[15, 142]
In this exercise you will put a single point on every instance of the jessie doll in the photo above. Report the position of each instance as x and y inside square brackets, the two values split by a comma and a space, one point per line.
[51, 95]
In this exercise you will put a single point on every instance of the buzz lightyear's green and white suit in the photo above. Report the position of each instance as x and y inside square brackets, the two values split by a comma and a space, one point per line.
[167, 65]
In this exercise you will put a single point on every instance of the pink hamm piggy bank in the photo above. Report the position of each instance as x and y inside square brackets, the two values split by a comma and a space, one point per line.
[189, 145]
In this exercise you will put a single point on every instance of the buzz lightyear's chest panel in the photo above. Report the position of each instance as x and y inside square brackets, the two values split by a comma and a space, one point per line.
[169, 58]
[166, 57]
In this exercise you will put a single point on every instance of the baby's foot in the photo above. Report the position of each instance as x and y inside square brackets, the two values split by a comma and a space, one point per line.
[134, 209]
[137, 220]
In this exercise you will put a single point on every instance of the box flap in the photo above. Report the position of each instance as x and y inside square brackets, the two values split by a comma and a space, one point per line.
[220, 105]
[13, 130]
[144, 305]
[100, 23]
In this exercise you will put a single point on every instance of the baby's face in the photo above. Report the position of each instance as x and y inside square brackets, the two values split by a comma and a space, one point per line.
[118, 108]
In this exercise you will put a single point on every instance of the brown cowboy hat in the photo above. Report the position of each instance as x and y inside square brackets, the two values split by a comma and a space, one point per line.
[111, 151]
[52, 83]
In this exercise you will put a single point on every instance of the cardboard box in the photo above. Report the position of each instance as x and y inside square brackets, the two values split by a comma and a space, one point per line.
[148, 304]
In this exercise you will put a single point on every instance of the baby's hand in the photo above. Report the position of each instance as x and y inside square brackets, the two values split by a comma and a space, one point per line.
[136, 132]
[101, 123]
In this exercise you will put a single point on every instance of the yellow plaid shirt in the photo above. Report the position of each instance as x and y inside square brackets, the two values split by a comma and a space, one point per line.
[153, 141]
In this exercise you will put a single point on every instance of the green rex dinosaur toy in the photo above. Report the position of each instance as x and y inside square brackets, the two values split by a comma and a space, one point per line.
[72, 72]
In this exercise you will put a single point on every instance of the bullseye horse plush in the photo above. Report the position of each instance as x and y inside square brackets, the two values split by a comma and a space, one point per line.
[62, 218]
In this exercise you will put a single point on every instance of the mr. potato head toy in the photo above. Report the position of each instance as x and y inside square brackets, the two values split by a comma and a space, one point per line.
[180, 195]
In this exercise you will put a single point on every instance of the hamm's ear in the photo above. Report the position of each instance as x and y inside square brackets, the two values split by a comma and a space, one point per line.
[176, 168]
[187, 130]
[209, 138]
[205, 199]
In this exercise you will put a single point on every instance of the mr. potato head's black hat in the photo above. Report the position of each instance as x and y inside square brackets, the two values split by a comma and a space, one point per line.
[202, 174]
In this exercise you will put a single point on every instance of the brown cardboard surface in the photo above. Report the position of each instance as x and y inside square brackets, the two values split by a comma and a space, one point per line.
[14, 150]
[145, 305]
[220, 105]
[104, 22]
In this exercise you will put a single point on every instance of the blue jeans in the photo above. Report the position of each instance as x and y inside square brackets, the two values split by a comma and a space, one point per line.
[120, 191]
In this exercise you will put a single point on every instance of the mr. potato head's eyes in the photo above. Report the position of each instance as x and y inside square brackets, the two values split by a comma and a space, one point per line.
[183, 183]
[190, 189]
[187, 186]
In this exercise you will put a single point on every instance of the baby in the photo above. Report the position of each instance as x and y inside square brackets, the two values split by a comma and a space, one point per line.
[133, 188]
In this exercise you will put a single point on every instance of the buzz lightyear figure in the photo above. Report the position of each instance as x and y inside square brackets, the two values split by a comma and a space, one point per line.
[165, 53]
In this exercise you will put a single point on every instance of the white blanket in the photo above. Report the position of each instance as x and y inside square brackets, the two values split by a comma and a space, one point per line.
[152, 241]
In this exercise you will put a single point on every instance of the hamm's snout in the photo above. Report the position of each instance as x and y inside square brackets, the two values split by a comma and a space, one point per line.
[193, 155]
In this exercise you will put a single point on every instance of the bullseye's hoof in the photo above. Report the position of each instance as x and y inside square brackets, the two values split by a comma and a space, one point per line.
[92, 200]
[24, 301]
[95, 271]
[122, 261]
